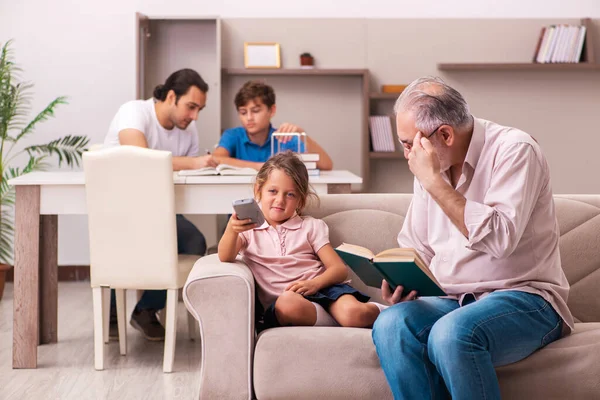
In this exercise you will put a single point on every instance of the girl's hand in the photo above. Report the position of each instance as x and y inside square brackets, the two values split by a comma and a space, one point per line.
[239, 225]
[305, 288]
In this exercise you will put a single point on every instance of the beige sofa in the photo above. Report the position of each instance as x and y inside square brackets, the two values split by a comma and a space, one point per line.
[341, 363]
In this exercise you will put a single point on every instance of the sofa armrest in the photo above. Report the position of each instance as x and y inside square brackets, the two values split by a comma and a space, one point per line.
[221, 297]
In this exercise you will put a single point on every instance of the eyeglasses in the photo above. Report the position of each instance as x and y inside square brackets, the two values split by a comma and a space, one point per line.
[408, 145]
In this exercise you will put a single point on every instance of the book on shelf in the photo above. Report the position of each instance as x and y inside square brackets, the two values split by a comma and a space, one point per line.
[382, 137]
[399, 267]
[314, 172]
[221, 169]
[560, 44]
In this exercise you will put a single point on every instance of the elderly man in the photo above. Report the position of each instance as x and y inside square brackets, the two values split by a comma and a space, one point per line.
[482, 217]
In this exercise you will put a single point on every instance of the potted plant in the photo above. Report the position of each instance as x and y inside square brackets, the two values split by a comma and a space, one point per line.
[306, 60]
[14, 127]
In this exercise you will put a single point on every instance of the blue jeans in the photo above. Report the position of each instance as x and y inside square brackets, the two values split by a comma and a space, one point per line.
[432, 348]
[189, 241]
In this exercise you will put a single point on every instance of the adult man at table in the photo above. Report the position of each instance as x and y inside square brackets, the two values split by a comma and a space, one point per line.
[164, 122]
[482, 216]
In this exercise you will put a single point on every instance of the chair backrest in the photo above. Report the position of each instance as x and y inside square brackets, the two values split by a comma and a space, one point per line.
[131, 218]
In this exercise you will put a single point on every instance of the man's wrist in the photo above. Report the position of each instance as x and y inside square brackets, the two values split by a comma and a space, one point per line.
[433, 183]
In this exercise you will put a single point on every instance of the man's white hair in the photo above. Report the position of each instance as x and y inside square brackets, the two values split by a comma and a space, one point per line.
[434, 103]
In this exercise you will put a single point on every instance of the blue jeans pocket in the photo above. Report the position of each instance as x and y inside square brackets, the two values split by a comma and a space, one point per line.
[554, 334]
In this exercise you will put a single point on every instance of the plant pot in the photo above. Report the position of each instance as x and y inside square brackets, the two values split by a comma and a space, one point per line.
[307, 61]
[3, 270]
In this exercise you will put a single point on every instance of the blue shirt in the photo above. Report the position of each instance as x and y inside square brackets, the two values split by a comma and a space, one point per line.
[238, 144]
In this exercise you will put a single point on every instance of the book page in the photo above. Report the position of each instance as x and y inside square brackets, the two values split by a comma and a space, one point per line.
[198, 172]
[358, 250]
[226, 169]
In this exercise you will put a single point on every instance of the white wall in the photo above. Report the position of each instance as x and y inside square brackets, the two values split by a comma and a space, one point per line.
[86, 51]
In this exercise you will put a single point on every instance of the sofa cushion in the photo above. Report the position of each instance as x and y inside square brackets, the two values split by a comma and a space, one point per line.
[318, 363]
[566, 369]
[364, 228]
[341, 363]
[579, 223]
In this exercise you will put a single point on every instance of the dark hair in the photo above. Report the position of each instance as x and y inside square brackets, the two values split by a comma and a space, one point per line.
[180, 82]
[292, 166]
[252, 90]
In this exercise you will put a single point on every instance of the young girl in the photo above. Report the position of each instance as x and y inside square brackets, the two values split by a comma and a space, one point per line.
[295, 267]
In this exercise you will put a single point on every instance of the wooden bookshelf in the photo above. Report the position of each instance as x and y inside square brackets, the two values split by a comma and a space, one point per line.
[518, 67]
[296, 71]
[383, 96]
[392, 155]
[587, 63]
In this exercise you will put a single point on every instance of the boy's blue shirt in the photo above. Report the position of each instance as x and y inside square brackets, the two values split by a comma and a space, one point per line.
[237, 143]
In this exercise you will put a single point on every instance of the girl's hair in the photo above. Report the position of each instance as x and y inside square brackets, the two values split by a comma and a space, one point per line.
[293, 167]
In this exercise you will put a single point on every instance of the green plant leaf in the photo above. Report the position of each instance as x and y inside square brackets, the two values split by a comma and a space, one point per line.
[15, 100]
[68, 149]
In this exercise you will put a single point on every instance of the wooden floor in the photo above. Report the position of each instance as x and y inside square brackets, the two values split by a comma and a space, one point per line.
[66, 369]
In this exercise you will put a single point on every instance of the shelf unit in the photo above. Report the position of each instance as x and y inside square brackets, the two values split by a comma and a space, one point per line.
[588, 62]
[375, 97]
[383, 96]
[296, 71]
[386, 155]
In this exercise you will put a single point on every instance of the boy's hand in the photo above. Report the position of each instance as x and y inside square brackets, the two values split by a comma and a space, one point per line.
[305, 288]
[239, 225]
[286, 127]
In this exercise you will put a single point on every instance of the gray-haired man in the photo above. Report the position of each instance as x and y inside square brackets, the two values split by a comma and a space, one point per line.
[482, 216]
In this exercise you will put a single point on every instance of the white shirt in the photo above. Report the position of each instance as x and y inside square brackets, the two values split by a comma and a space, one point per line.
[141, 115]
[513, 231]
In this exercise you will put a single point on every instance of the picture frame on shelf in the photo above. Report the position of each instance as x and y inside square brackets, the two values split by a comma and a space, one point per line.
[262, 55]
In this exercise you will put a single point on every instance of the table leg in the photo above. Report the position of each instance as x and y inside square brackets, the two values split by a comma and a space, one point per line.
[338, 188]
[26, 281]
[48, 278]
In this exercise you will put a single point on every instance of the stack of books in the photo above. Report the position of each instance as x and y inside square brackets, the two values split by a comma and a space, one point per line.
[382, 137]
[560, 44]
[310, 161]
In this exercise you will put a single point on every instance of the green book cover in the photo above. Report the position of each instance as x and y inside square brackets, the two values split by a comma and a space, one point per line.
[405, 273]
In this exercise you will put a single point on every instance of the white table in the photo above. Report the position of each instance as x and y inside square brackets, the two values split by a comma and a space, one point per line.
[42, 196]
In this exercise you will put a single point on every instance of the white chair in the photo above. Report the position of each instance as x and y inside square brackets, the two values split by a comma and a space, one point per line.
[133, 237]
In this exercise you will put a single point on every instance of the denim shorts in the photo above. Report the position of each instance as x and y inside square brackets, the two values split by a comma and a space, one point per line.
[323, 297]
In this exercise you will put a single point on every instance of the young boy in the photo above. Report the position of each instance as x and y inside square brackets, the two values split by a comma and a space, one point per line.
[249, 145]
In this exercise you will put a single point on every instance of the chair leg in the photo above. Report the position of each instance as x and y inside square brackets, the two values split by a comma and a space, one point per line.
[121, 320]
[170, 330]
[106, 313]
[97, 299]
[192, 326]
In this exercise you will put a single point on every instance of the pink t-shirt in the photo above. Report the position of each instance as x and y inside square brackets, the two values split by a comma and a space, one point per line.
[284, 254]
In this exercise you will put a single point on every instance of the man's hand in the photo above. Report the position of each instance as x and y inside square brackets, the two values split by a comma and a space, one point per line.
[286, 127]
[305, 288]
[423, 161]
[396, 297]
[239, 225]
[205, 161]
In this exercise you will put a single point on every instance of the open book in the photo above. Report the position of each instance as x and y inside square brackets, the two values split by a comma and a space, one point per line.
[397, 266]
[221, 169]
